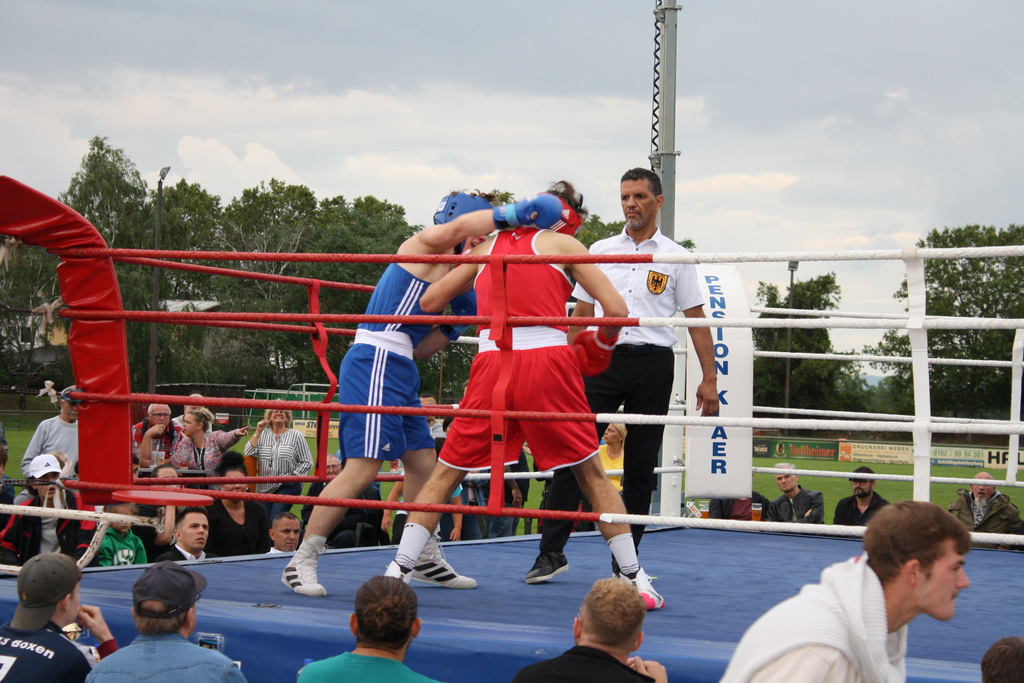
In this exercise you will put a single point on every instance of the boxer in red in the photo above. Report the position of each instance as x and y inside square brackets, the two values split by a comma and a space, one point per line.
[545, 374]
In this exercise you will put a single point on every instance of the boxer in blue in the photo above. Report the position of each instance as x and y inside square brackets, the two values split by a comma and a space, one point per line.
[380, 370]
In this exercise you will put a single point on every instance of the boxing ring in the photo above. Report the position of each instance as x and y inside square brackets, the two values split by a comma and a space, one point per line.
[712, 573]
[715, 583]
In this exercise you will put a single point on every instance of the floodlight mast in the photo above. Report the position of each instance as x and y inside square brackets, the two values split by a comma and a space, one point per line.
[663, 156]
[663, 162]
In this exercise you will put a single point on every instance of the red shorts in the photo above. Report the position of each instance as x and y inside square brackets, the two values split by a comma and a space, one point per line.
[545, 380]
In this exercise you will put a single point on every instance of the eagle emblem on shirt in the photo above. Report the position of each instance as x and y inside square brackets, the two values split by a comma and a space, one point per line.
[656, 282]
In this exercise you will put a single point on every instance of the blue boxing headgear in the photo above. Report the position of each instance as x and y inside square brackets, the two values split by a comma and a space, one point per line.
[454, 205]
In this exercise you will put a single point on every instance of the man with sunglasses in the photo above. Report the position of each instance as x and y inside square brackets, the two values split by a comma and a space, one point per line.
[164, 602]
[26, 536]
[863, 504]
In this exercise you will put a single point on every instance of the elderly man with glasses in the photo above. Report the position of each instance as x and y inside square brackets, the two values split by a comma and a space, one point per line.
[153, 437]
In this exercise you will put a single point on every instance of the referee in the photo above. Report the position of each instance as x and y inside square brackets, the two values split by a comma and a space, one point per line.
[642, 367]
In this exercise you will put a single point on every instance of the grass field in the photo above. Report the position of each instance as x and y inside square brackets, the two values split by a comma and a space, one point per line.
[833, 489]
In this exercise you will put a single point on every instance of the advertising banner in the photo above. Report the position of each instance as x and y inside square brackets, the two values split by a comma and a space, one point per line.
[810, 449]
[891, 453]
[308, 427]
[718, 459]
[963, 456]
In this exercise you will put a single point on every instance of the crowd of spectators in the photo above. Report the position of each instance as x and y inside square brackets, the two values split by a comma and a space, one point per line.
[234, 527]
[980, 507]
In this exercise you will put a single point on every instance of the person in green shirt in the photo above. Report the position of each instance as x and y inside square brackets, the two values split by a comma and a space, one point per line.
[384, 625]
[120, 546]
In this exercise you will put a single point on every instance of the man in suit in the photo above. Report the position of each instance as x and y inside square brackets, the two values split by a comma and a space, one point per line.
[191, 531]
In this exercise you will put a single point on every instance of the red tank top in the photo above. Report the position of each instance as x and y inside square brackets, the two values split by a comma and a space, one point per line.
[533, 289]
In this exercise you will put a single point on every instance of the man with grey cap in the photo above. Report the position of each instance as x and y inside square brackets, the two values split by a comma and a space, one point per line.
[58, 433]
[164, 607]
[33, 647]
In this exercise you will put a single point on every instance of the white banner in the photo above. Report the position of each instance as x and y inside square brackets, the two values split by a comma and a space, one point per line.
[308, 427]
[719, 459]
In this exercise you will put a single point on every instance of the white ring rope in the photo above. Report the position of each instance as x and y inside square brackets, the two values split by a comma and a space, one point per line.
[826, 314]
[91, 515]
[486, 476]
[870, 416]
[867, 358]
[930, 322]
[103, 521]
[820, 425]
[875, 255]
[779, 527]
[827, 474]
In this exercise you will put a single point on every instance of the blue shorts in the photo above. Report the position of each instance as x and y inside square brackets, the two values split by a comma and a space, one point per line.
[373, 376]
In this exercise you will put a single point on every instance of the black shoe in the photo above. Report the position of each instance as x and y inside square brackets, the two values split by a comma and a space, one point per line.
[547, 566]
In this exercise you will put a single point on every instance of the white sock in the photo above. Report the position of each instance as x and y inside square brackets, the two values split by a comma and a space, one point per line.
[625, 553]
[311, 546]
[414, 538]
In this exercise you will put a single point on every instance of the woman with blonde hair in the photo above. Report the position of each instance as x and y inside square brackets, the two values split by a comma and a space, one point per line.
[280, 451]
[200, 447]
[611, 451]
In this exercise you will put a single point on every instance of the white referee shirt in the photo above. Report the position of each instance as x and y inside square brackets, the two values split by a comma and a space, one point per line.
[651, 290]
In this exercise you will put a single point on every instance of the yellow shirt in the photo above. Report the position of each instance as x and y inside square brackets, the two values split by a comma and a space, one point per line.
[610, 463]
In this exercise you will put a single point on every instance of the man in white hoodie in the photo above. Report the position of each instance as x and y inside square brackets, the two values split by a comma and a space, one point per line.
[852, 626]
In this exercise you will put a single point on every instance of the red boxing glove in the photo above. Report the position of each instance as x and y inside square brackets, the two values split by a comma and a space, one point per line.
[594, 351]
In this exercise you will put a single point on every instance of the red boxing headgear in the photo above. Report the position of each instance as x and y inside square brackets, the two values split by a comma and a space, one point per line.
[571, 221]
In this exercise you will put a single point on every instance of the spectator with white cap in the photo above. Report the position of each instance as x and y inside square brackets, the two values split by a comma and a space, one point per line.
[164, 608]
[32, 644]
[26, 536]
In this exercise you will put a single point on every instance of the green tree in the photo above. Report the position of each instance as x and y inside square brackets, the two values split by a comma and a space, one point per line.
[191, 219]
[275, 217]
[26, 358]
[594, 229]
[109, 192]
[822, 384]
[987, 288]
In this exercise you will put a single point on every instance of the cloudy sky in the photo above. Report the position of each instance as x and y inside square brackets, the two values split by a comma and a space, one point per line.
[802, 124]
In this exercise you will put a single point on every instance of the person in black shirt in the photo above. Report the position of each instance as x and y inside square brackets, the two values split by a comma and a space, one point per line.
[237, 527]
[863, 504]
[607, 630]
[32, 644]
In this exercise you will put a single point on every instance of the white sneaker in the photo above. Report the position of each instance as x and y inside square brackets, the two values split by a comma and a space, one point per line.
[300, 574]
[432, 567]
[646, 590]
[395, 571]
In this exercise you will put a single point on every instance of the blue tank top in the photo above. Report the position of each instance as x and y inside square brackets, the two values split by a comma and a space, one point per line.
[398, 293]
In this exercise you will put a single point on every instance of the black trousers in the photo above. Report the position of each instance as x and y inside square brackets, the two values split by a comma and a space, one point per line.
[641, 381]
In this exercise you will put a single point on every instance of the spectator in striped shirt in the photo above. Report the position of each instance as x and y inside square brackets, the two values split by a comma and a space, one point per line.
[280, 451]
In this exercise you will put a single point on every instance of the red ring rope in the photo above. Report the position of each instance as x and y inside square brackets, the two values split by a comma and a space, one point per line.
[98, 349]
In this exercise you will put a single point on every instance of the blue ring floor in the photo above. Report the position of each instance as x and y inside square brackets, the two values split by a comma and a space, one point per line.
[715, 584]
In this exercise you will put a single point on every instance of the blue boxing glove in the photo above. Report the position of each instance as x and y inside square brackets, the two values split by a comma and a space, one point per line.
[463, 304]
[542, 211]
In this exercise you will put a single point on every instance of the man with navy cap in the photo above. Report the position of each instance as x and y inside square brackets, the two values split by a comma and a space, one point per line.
[58, 433]
[164, 607]
[33, 646]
